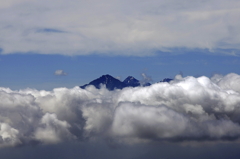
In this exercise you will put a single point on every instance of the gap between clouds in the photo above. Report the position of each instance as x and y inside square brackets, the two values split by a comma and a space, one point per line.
[185, 110]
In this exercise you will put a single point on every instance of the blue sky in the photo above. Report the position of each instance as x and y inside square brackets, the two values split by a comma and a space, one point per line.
[21, 71]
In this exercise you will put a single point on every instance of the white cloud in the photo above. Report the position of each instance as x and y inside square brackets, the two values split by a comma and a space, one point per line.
[186, 109]
[118, 27]
[9, 135]
[231, 82]
[53, 130]
[60, 73]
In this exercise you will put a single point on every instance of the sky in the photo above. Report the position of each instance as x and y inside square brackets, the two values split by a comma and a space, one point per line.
[49, 48]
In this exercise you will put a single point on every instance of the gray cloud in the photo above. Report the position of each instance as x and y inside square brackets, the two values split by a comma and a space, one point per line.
[185, 110]
[136, 28]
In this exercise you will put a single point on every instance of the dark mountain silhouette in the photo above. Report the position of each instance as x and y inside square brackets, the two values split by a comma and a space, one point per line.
[166, 80]
[130, 81]
[112, 83]
[146, 84]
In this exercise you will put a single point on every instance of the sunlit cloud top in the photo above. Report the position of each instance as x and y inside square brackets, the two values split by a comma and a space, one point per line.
[118, 27]
[185, 110]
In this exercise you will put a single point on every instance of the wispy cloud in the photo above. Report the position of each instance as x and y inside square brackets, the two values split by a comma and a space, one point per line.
[60, 73]
[146, 79]
[136, 28]
[185, 110]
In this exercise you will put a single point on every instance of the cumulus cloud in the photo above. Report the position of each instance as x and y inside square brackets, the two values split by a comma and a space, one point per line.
[186, 109]
[60, 73]
[52, 129]
[122, 27]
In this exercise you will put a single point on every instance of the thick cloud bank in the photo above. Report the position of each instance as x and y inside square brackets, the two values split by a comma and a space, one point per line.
[187, 109]
[122, 27]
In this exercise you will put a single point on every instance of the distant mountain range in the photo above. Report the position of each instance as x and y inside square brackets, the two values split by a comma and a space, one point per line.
[112, 83]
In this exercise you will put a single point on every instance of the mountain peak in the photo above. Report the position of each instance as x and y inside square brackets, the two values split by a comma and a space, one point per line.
[131, 81]
[106, 79]
[107, 76]
[110, 82]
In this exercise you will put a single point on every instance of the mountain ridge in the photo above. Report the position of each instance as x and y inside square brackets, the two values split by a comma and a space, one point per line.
[112, 83]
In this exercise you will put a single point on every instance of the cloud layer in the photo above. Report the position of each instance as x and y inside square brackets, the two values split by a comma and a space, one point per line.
[122, 27]
[185, 110]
